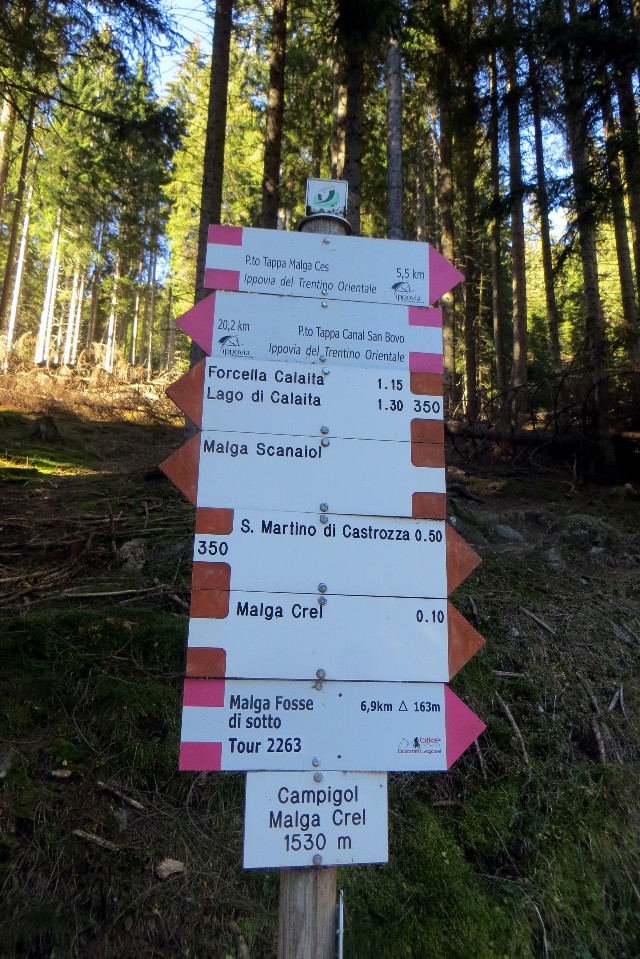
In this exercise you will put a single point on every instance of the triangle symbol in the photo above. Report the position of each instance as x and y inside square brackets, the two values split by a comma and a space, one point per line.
[462, 726]
[188, 393]
[443, 276]
[464, 640]
[402, 708]
[198, 322]
[182, 468]
[461, 559]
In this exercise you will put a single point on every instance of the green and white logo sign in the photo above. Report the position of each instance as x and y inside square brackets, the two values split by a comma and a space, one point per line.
[327, 196]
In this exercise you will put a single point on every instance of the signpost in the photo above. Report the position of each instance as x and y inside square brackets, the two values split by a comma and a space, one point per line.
[321, 637]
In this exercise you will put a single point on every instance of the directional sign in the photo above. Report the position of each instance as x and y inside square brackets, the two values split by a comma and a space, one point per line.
[257, 396]
[247, 470]
[304, 819]
[330, 267]
[288, 329]
[278, 551]
[370, 727]
[244, 635]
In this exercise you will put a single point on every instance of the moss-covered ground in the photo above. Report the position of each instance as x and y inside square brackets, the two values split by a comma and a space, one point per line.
[527, 848]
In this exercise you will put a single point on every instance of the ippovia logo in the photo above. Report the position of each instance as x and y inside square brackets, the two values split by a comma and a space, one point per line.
[230, 346]
[404, 294]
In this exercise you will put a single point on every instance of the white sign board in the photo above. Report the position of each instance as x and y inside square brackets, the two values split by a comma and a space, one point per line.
[306, 819]
[271, 471]
[288, 329]
[244, 725]
[354, 555]
[288, 636]
[312, 265]
[262, 397]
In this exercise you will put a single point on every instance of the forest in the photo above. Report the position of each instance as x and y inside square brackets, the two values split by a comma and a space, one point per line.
[505, 134]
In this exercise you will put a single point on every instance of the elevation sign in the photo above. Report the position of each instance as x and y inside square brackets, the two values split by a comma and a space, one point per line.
[297, 816]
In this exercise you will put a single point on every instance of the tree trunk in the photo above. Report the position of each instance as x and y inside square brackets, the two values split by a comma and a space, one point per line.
[623, 79]
[44, 330]
[353, 132]
[394, 140]
[213, 171]
[446, 207]
[339, 112]
[71, 320]
[471, 286]
[17, 216]
[421, 190]
[497, 313]
[133, 345]
[516, 190]
[275, 111]
[17, 283]
[7, 124]
[471, 281]
[95, 286]
[542, 199]
[619, 213]
[112, 323]
[78, 321]
[577, 137]
[171, 326]
[152, 310]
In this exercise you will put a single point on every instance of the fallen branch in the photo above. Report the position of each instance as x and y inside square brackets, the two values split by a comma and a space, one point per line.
[514, 726]
[474, 608]
[592, 699]
[482, 763]
[539, 621]
[507, 675]
[597, 735]
[122, 796]
[538, 437]
[97, 840]
[113, 592]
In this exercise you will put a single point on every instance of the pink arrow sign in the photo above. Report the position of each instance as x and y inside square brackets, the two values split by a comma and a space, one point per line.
[375, 336]
[362, 727]
[329, 267]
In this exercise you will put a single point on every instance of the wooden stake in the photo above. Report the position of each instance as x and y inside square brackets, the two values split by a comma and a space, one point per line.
[307, 913]
[307, 928]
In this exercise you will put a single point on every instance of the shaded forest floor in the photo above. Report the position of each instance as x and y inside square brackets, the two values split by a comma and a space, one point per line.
[527, 848]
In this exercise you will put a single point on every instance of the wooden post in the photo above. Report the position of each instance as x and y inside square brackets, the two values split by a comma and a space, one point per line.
[308, 895]
[308, 913]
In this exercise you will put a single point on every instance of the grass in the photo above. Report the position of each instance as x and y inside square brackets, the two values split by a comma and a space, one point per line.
[504, 857]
